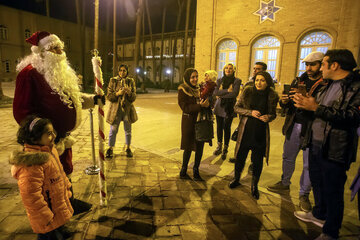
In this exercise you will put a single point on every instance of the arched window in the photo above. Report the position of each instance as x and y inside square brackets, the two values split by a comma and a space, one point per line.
[226, 52]
[315, 41]
[27, 33]
[3, 32]
[267, 50]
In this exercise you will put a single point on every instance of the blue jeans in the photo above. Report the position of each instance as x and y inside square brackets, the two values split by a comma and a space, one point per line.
[291, 150]
[114, 130]
[328, 179]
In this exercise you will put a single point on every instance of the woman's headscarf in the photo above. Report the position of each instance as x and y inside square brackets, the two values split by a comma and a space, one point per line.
[259, 99]
[188, 87]
[187, 75]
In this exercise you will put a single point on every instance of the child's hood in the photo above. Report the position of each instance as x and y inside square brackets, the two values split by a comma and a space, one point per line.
[27, 159]
[21, 159]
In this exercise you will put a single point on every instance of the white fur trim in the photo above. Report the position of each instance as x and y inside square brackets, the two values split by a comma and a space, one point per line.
[69, 141]
[35, 49]
[60, 146]
[51, 40]
[64, 143]
[78, 109]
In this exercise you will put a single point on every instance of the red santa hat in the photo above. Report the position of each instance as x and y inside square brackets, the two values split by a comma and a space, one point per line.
[42, 40]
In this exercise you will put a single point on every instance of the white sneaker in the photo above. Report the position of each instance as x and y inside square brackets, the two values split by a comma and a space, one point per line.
[309, 217]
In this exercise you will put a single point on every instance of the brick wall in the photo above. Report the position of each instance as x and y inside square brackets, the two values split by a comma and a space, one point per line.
[221, 19]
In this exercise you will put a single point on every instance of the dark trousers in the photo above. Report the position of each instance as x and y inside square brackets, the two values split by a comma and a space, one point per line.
[257, 157]
[328, 179]
[55, 234]
[198, 156]
[223, 125]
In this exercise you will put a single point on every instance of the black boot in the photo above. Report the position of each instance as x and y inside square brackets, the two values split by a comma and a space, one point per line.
[218, 149]
[234, 183]
[183, 174]
[78, 205]
[197, 176]
[197, 161]
[254, 188]
[129, 153]
[225, 151]
[109, 153]
[237, 174]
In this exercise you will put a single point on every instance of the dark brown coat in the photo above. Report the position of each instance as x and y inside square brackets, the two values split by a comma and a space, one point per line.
[190, 107]
[242, 107]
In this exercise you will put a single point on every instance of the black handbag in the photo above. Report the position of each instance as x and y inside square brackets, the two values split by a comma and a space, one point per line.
[204, 130]
[235, 134]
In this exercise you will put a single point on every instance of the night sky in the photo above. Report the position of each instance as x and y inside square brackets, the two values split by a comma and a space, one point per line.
[65, 10]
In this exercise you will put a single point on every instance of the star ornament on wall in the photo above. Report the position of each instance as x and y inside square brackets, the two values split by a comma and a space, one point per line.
[267, 11]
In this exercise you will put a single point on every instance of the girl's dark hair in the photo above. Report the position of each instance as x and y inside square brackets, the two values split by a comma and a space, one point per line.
[31, 136]
[269, 80]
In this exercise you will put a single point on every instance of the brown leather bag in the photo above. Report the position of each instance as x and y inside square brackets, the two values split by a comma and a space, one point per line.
[133, 117]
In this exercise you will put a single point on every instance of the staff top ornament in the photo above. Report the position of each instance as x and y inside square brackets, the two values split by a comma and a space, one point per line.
[96, 63]
[267, 11]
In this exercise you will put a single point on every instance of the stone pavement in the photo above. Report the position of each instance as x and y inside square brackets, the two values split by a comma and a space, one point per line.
[147, 200]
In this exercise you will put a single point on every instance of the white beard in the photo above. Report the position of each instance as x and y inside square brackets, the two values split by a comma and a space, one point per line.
[58, 74]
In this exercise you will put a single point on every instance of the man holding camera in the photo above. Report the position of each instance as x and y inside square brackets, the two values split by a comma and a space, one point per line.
[334, 139]
[296, 125]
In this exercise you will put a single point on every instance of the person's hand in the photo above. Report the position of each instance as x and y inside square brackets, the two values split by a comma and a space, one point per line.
[97, 97]
[230, 89]
[128, 90]
[265, 118]
[285, 98]
[307, 103]
[120, 92]
[204, 103]
[255, 113]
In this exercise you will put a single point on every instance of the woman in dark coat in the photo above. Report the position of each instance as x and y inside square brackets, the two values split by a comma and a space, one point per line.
[190, 104]
[256, 108]
[226, 91]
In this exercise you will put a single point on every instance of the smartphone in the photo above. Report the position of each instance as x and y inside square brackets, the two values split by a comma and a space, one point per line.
[286, 89]
[302, 89]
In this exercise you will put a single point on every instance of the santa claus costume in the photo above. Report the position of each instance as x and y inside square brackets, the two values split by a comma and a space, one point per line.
[47, 86]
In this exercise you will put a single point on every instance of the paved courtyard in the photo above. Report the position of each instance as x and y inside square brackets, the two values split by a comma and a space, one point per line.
[147, 200]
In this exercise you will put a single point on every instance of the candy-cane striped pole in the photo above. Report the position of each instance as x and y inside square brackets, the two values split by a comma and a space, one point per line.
[96, 62]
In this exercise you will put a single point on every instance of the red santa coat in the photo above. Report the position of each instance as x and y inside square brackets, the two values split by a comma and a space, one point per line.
[33, 95]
